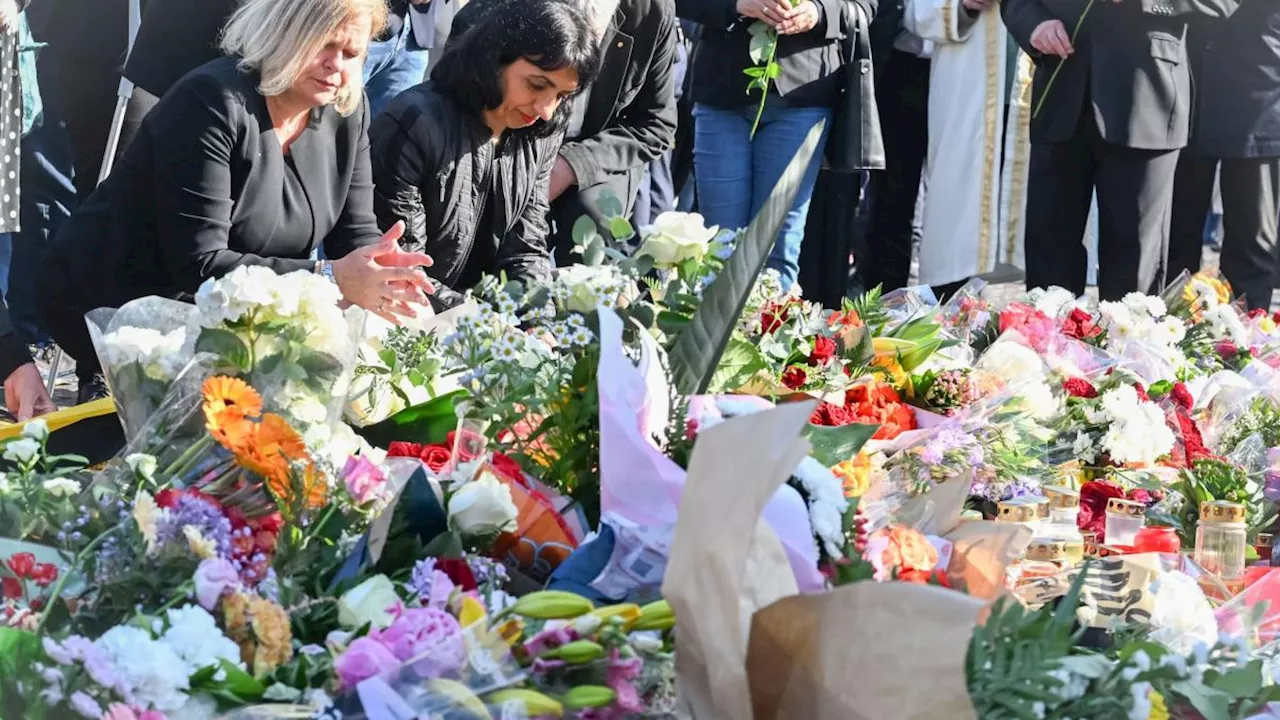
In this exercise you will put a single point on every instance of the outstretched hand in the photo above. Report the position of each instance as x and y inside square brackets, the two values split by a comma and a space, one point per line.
[25, 395]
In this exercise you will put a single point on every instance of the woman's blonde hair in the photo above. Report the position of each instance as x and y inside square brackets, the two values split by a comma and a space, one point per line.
[279, 38]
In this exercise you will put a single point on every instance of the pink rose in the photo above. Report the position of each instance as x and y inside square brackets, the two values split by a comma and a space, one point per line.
[363, 659]
[430, 638]
[363, 479]
[213, 577]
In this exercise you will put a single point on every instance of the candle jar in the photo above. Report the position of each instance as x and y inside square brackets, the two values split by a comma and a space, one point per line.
[1045, 557]
[1020, 513]
[1220, 539]
[1262, 545]
[1064, 511]
[1157, 539]
[1124, 519]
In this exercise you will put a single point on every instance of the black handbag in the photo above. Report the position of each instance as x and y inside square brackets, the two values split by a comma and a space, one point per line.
[855, 142]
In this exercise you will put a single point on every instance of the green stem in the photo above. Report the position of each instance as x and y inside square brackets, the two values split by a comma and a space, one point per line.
[62, 577]
[179, 595]
[764, 91]
[1074, 33]
[184, 462]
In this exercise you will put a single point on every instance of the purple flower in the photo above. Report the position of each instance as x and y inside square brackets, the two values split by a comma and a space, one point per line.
[433, 587]
[363, 659]
[550, 639]
[931, 454]
[212, 578]
[485, 570]
[85, 705]
[430, 638]
[201, 513]
[620, 675]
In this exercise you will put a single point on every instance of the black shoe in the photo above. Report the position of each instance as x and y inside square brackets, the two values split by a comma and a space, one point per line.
[92, 388]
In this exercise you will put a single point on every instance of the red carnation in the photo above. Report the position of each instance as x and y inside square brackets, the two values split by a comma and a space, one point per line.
[10, 588]
[458, 571]
[1080, 325]
[1192, 442]
[824, 348]
[831, 415]
[1182, 396]
[1079, 387]
[44, 574]
[794, 377]
[1142, 392]
[21, 564]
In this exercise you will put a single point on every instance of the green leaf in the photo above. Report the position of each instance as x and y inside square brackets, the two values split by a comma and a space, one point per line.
[620, 228]
[833, 445]
[225, 344]
[609, 206]
[388, 357]
[772, 70]
[584, 229]
[741, 361]
[445, 545]
[758, 48]
[1243, 681]
[1212, 704]
[696, 352]
[242, 683]
[753, 72]
[593, 252]
[320, 369]
[270, 363]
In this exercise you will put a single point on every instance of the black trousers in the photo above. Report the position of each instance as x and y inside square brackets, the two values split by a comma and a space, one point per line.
[902, 94]
[86, 96]
[1250, 211]
[1135, 195]
[578, 202]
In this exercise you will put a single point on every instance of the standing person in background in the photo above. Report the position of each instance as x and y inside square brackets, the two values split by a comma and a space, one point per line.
[1237, 129]
[625, 119]
[1115, 118]
[398, 58]
[902, 65]
[86, 49]
[736, 172]
[977, 162]
[658, 189]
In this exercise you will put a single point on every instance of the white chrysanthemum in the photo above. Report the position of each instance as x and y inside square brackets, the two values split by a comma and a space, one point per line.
[150, 674]
[1148, 304]
[1054, 301]
[1039, 399]
[194, 636]
[1082, 447]
[1137, 432]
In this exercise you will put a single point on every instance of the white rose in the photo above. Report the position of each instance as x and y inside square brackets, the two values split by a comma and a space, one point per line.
[675, 237]
[36, 430]
[61, 487]
[142, 465]
[482, 507]
[369, 602]
[21, 451]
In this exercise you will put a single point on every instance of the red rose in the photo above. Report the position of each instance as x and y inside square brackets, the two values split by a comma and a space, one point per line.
[436, 457]
[1182, 396]
[458, 571]
[773, 317]
[405, 449]
[507, 467]
[1093, 505]
[167, 498]
[1226, 349]
[21, 564]
[1079, 387]
[824, 348]
[1142, 392]
[1080, 325]
[44, 574]
[794, 377]
[10, 588]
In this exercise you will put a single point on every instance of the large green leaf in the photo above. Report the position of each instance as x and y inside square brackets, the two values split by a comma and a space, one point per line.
[834, 445]
[697, 351]
[427, 423]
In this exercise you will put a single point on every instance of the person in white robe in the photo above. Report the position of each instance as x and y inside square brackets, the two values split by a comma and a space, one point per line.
[976, 171]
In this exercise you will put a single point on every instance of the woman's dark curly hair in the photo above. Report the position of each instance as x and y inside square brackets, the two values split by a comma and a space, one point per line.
[551, 34]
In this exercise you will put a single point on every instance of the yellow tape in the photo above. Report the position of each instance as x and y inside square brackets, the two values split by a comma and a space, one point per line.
[64, 417]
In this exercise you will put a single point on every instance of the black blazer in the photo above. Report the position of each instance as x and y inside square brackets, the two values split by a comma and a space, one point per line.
[176, 37]
[1130, 64]
[808, 62]
[205, 188]
[1238, 83]
[631, 114]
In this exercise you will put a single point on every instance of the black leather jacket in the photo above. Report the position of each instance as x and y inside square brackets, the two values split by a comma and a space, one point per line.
[430, 160]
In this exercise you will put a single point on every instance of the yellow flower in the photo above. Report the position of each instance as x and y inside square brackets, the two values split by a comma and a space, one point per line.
[855, 475]
[147, 514]
[261, 629]
[897, 376]
[1267, 325]
[199, 544]
[1159, 711]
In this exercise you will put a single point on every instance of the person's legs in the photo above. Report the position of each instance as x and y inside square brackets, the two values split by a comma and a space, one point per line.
[393, 66]
[902, 94]
[1059, 194]
[1135, 203]
[722, 166]
[140, 105]
[782, 131]
[1251, 203]
[1192, 196]
[85, 94]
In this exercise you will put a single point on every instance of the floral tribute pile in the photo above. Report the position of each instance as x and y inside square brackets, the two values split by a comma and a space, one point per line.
[322, 515]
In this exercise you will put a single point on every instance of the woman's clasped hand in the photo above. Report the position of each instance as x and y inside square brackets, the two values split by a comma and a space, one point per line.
[384, 279]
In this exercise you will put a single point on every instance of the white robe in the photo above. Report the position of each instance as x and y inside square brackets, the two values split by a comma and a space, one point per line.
[974, 208]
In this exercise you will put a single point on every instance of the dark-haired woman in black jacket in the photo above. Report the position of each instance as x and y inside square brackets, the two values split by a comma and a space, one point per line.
[465, 159]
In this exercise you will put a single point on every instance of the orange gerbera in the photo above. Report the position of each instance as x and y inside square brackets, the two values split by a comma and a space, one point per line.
[844, 319]
[272, 448]
[228, 403]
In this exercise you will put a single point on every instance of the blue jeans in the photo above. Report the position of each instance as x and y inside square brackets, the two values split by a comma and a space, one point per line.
[48, 197]
[393, 66]
[735, 174]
